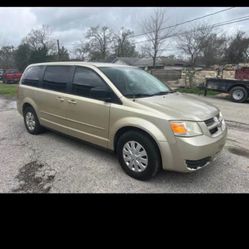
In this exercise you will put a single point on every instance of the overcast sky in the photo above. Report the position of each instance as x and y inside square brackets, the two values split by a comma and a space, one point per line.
[70, 23]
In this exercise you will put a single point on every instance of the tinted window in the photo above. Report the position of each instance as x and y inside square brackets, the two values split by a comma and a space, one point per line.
[32, 76]
[84, 80]
[57, 77]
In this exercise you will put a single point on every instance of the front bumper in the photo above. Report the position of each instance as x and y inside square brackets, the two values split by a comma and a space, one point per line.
[192, 153]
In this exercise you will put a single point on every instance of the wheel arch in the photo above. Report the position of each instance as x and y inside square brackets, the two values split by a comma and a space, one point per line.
[125, 129]
[29, 102]
[240, 85]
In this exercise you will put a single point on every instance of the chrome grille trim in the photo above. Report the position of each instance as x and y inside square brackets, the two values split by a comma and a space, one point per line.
[214, 125]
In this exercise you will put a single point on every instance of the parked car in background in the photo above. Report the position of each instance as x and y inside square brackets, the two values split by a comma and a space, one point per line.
[11, 76]
[1, 74]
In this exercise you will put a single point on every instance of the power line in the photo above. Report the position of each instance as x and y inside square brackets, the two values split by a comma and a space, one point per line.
[234, 20]
[178, 24]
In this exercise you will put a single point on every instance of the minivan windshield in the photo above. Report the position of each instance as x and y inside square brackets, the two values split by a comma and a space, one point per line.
[134, 82]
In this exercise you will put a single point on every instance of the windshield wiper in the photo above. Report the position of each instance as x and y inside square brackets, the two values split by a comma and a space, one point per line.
[138, 95]
[162, 93]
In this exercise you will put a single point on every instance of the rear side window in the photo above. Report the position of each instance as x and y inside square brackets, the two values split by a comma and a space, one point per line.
[84, 80]
[57, 78]
[32, 76]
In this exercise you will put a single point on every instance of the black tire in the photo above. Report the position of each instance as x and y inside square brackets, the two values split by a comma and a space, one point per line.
[4, 81]
[153, 154]
[38, 129]
[240, 92]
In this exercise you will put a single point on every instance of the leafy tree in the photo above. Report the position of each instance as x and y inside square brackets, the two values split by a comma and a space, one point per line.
[62, 54]
[40, 55]
[237, 50]
[22, 56]
[213, 49]
[7, 57]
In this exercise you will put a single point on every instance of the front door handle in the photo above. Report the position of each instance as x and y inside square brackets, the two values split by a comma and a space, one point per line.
[60, 99]
[71, 101]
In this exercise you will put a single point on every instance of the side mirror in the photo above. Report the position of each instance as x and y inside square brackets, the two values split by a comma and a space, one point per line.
[101, 94]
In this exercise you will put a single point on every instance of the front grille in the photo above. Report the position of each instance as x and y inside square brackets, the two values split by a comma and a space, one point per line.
[194, 164]
[214, 130]
[209, 122]
[214, 124]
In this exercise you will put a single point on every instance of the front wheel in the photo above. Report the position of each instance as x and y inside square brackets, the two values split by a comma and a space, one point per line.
[239, 94]
[138, 155]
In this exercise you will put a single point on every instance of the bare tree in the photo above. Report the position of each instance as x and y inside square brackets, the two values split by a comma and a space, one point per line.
[40, 39]
[99, 42]
[192, 43]
[123, 45]
[154, 33]
[81, 51]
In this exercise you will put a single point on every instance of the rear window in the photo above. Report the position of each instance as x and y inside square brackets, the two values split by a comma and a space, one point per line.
[32, 76]
[57, 78]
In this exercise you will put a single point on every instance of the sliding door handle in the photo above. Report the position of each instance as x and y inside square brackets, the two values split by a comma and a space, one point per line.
[71, 101]
[60, 99]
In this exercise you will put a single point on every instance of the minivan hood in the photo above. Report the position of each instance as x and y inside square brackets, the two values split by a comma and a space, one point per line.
[180, 106]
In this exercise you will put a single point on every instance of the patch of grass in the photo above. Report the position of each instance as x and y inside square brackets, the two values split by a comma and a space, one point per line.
[8, 90]
[196, 90]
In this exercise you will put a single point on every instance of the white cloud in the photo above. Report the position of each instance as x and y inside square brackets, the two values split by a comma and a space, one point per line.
[15, 24]
[69, 23]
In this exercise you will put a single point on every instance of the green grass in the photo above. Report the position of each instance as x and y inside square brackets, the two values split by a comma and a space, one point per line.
[196, 90]
[8, 90]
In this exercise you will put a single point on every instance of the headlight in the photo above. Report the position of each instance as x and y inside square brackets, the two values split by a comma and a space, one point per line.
[221, 116]
[223, 124]
[185, 128]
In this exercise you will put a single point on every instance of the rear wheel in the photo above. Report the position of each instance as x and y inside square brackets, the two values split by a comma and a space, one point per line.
[138, 155]
[239, 94]
[31, 121]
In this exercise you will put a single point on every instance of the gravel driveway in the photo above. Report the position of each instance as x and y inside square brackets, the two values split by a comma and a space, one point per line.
[52, 162]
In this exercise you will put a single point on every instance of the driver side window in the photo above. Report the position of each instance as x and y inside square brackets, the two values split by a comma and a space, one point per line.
[84, 80]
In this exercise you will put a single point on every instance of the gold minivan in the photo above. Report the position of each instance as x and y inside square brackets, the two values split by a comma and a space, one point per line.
[124, 109]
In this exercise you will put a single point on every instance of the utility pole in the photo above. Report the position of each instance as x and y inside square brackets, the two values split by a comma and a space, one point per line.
[58, 47]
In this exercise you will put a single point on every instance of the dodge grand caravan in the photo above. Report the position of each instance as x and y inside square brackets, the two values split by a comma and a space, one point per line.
[124, 109]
